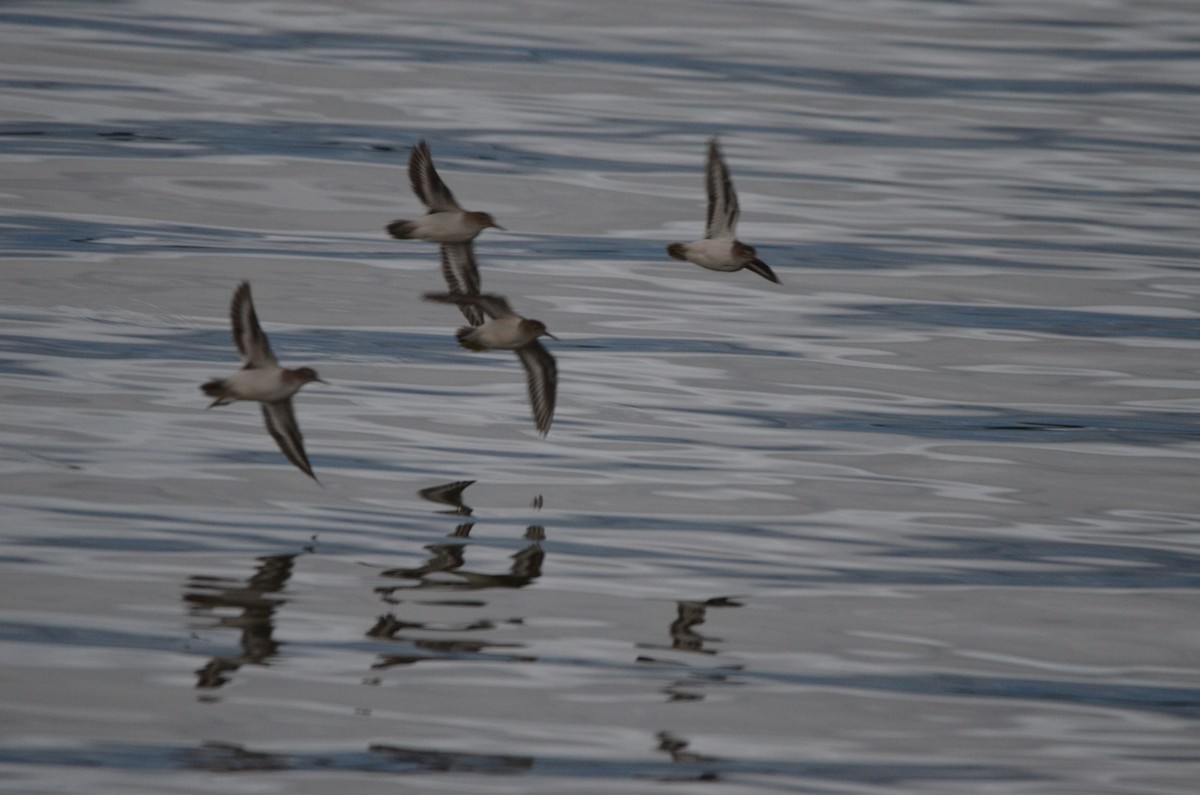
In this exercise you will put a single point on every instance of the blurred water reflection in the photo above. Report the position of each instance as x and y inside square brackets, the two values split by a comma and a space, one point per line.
[449, 494]
[254, 604]
[449, 559]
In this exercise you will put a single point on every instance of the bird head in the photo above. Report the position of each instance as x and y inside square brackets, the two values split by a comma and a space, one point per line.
[485, 221]
[307, 374]
[538, 329]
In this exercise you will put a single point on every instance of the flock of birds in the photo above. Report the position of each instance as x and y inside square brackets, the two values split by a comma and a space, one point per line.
[493, 323]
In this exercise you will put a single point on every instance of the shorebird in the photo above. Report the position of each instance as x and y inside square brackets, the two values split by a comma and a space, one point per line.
[448, 224]
[262, 379]
[720, 250]
[509, 331]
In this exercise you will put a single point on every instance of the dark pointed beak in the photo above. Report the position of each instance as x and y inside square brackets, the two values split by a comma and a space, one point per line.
[548, 334]
[497, 226]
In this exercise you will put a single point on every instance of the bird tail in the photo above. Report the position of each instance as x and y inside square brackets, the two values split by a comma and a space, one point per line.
[400, 229]
[763, 270]
[217, 388]
[675, 250]
[466, 338]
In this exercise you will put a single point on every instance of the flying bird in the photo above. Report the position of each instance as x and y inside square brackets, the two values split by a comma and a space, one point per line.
[720, 250]
[262, 379]
[448, 224]
[509, 331]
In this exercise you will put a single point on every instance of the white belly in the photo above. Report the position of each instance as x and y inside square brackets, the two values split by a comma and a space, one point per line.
[715, 254]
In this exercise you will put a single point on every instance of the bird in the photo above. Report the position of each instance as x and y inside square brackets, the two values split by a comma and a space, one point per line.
[262, 379]
[447, 224]
[509, 331]
[720, 250]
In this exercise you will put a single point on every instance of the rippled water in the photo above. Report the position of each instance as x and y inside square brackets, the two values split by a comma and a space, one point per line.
[922, 519]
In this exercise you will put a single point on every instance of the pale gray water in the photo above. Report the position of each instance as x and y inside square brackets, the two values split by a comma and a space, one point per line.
[922, 520]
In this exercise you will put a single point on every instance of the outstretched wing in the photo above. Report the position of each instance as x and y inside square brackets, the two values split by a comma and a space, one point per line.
[281, 424]
[493, 305]
[248, 335]
[460, 269]
[426, 183]
[462, 277]
[541, 375]
[722, 198]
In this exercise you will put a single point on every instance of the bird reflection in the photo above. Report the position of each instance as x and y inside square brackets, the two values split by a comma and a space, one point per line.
[685, 638]
[255, 619]
[677, 748]
[223, 757]
[687, 616]
[449, 559]
[217, 757]
[449, 494]
[445, 569]
[389, 627]
[421, 759]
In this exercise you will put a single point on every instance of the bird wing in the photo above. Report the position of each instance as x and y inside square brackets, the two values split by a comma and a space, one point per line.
[248, 335]
[281, 424]
[426, 183]
[541, 375]
[462, 277]
[495, 306]
[722, 198]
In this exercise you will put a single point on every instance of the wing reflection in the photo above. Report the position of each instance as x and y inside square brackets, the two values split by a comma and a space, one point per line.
[255, 619]
[449, 494]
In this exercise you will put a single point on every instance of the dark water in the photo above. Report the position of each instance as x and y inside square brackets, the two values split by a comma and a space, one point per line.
[923, 519]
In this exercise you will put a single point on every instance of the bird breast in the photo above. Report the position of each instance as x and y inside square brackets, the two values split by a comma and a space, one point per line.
[508, 333]
[713, 253]
[446, 227]
[266, 385]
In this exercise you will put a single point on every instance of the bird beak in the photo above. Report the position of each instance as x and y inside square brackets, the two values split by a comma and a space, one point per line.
[548, 334]
[321, 381]
[497, 226]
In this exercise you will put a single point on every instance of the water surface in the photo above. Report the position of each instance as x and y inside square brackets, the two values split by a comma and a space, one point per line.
[922, 519]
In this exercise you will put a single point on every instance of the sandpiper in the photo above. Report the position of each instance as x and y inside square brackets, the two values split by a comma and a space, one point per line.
[263, 380]
[509, 331]
[448, 224]
[720, 250]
